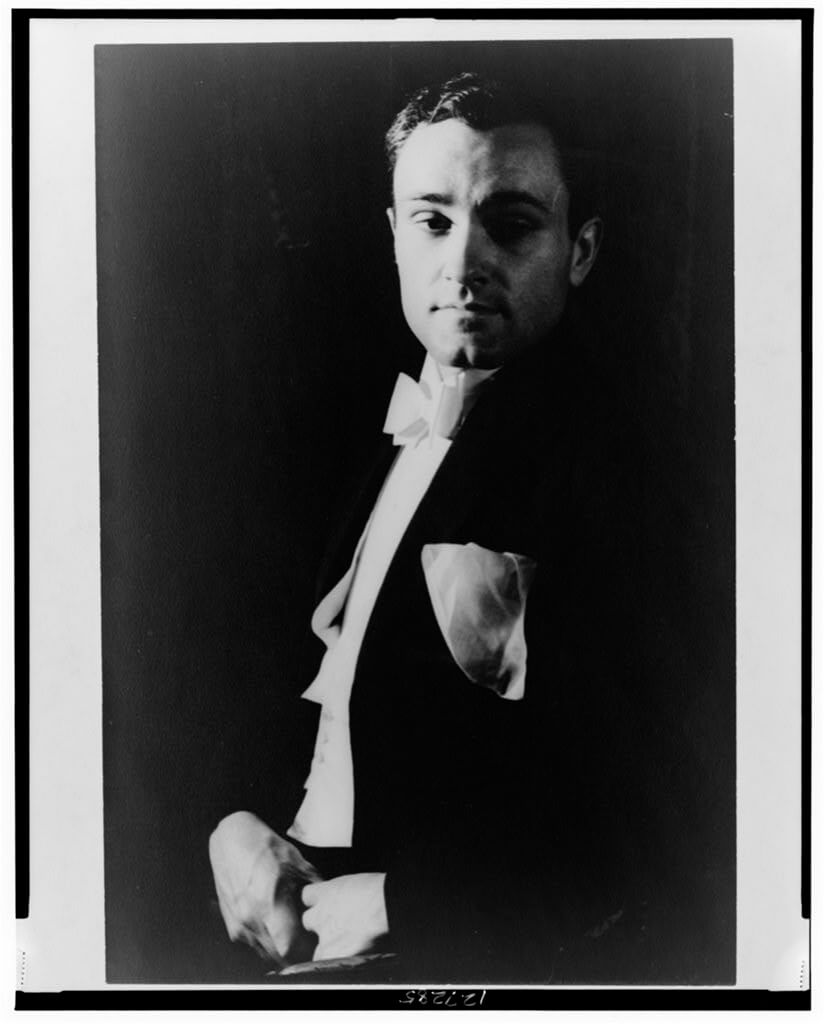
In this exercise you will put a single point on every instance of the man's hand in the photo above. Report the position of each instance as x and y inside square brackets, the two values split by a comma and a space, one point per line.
[258, 878]
[347, 914]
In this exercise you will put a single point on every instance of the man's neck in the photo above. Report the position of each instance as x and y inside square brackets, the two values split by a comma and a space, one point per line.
[434, 373]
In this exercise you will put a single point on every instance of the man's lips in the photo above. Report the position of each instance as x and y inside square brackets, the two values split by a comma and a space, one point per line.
[468, 308]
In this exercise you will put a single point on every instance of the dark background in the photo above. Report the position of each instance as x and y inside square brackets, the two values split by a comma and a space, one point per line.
[249, 333]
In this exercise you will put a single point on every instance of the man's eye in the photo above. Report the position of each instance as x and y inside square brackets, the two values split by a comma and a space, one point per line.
[509, 229]
[432, 223]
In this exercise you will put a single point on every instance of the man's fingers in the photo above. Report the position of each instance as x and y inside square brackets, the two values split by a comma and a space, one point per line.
[310, 894]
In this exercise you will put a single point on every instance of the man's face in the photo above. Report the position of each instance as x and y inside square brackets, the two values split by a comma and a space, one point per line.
[481, 240]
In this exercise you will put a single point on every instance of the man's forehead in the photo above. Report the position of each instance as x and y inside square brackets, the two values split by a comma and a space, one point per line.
[451, 158]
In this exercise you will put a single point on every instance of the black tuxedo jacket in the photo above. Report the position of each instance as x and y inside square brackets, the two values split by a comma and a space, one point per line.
[573, 835]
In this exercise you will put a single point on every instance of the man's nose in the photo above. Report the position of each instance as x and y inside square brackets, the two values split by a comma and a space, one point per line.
[468, 258]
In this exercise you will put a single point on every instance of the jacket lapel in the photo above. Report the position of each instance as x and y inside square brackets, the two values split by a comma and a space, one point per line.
[498, 434]
[504, 430]
[352, 519]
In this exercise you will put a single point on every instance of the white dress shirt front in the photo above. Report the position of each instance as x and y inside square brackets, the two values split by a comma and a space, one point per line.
[326, 816]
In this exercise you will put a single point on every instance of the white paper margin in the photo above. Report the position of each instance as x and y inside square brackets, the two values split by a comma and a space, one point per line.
[63, 937]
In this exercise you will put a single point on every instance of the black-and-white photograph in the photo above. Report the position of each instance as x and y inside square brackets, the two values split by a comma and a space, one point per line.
[417, 509]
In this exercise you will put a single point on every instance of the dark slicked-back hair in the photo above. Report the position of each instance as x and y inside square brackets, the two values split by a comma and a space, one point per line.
[483, 104]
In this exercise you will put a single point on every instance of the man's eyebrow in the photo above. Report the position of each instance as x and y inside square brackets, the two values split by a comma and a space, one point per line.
[427, 197]
[503, 197]
[506, 197]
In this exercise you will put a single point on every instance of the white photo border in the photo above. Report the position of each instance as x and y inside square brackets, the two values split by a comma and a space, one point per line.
[63, 938]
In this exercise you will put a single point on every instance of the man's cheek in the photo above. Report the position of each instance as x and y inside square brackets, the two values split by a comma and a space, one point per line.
[415, 295]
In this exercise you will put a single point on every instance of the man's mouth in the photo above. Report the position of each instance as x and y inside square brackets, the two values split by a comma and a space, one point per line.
[469, 309]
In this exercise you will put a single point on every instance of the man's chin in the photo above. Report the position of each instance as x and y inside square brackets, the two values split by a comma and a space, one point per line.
[466, 352]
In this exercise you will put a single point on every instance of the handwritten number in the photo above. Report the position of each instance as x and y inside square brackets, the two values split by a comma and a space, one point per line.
[470, 1000]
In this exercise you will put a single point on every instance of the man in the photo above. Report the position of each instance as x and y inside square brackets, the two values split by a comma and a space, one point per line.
[501, 786]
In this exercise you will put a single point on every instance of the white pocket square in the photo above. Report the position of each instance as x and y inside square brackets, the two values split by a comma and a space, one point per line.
[479, 600]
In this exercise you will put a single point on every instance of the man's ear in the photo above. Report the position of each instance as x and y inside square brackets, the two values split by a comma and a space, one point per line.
[584, 250]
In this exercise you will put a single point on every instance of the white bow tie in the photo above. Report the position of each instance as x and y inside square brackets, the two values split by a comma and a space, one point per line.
[416, 411]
